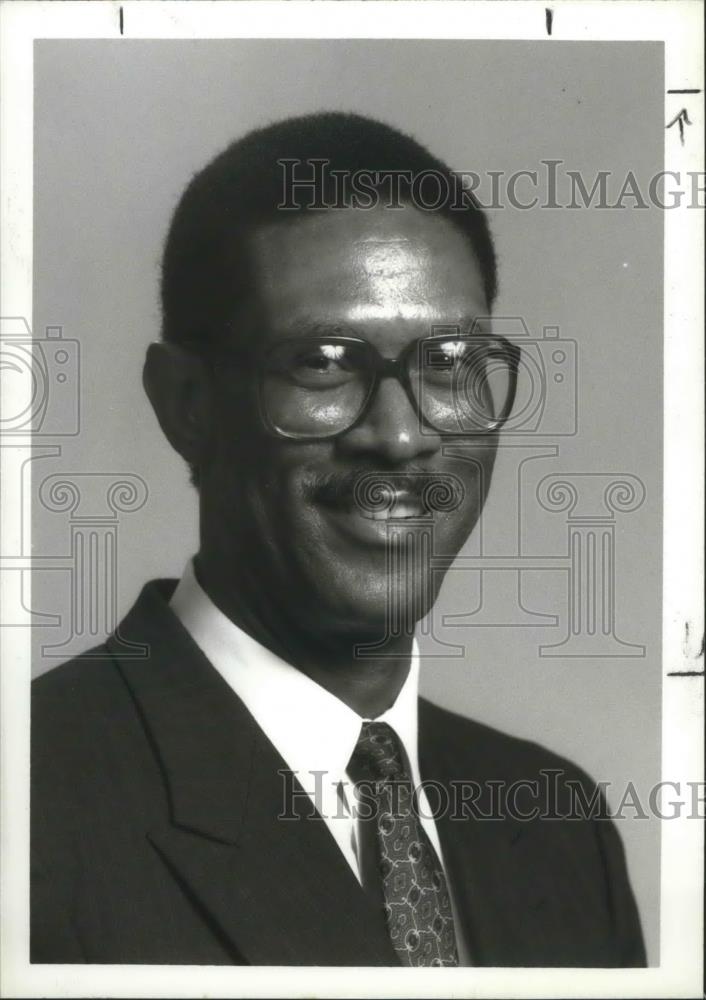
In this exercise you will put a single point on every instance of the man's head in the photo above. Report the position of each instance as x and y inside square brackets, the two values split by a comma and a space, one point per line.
[270, 381]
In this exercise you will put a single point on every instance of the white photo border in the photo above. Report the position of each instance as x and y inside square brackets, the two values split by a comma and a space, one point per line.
[678, 24]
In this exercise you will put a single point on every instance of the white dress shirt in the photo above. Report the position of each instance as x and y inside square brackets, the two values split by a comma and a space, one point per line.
[313, 730]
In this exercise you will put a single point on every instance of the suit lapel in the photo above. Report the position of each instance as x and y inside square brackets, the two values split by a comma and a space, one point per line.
[494, 879]
[277, 890]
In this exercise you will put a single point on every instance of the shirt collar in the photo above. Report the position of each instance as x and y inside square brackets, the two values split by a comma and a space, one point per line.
[311, 728]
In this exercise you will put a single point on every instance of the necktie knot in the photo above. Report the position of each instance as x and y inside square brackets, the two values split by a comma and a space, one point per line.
[377, 754]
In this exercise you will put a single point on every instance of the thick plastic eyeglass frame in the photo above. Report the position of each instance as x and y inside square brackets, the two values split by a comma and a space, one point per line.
[398, 368]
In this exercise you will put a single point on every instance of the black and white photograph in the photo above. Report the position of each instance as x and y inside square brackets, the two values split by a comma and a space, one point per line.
[352, 454]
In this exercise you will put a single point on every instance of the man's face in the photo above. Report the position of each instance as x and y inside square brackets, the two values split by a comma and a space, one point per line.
[284, 511]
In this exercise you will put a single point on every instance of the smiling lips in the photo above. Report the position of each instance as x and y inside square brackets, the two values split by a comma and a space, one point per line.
[398, 504]
[365, 507]
[387, 503]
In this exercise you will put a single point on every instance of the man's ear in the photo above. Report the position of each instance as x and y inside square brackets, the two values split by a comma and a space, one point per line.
[177, 384]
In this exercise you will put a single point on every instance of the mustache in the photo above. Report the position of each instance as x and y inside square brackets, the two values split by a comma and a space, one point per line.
[376, 491]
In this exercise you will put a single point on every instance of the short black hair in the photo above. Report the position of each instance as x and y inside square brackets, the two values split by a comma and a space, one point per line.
[205, 267]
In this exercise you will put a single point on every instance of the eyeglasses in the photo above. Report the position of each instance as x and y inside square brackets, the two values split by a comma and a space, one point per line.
[313, 388]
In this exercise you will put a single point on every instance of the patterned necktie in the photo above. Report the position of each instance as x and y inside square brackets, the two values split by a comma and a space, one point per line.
[398, 856]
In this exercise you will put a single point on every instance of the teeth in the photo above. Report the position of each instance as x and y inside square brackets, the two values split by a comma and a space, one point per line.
[400, 509]
[407, 509]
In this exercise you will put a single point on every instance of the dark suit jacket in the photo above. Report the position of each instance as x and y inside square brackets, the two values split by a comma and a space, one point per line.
[155, 836]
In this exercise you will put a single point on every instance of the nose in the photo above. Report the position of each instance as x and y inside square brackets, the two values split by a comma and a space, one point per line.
[391, 429]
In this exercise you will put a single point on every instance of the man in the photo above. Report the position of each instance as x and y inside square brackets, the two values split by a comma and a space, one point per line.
[244, 773]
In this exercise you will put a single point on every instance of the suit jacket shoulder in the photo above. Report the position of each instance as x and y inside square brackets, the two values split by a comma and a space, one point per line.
[463, 743]
[89, 759]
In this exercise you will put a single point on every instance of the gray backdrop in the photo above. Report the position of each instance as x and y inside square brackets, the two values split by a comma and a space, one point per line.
[120, 126]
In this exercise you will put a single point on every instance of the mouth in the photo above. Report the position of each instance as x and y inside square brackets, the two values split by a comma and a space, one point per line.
[372, 509]
[396, 505]
[377, 527]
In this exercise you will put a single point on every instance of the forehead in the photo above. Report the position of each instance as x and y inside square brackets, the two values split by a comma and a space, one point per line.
[363, 268]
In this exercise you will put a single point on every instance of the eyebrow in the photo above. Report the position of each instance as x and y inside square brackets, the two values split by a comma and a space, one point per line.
[317, 327]
[310, 326]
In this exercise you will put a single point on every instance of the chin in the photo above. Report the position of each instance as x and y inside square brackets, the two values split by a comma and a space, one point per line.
[372, 604]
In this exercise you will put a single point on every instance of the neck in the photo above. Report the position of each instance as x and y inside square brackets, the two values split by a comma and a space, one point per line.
[367, 684]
